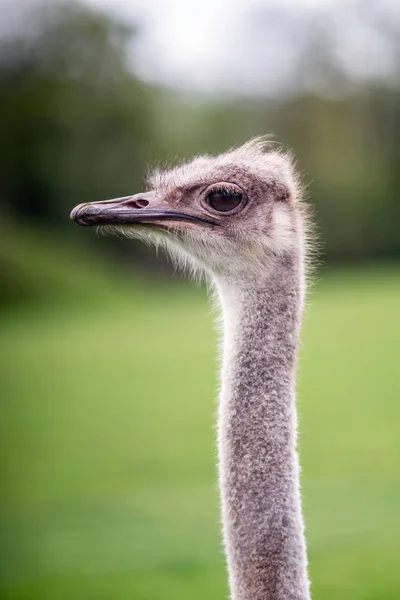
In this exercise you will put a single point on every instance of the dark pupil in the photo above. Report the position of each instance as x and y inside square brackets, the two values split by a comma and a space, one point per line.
[224, 201]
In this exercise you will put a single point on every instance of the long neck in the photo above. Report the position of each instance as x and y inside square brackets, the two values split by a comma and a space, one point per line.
[259, 473]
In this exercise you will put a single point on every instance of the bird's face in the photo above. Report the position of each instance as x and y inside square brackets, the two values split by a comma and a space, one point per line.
[222, 214]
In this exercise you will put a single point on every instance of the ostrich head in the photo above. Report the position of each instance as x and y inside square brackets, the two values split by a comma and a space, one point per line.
[225, 215]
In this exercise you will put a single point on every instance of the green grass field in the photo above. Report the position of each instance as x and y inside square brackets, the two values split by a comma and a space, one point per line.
[108, 451]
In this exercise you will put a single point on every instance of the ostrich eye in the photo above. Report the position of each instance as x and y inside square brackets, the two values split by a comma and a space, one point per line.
[224, 200]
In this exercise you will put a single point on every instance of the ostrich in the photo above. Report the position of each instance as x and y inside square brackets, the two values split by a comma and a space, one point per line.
[239, 219]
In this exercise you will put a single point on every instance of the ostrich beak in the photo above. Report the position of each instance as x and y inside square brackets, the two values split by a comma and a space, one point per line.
[129, 210]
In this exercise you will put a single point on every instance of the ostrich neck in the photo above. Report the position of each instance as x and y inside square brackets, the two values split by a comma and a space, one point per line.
[259, 474]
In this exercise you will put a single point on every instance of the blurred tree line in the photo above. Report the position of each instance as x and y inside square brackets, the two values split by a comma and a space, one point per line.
[77, 125]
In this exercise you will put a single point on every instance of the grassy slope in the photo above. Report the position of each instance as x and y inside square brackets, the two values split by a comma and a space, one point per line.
[108, 447]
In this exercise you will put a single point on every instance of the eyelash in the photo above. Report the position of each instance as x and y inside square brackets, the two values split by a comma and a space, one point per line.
[224, 191]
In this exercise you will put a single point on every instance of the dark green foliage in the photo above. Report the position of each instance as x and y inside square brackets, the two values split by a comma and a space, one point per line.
[78, 125]
[75, 122]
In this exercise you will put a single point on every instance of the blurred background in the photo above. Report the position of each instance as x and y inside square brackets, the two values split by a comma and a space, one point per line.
[108, 371]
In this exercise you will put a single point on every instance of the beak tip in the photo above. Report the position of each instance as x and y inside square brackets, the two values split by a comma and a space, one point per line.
[75, 215]
[74, 212]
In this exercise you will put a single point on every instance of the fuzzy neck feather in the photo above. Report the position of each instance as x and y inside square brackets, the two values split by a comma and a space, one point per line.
[259, 472]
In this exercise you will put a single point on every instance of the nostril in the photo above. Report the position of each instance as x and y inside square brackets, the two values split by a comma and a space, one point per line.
[141, 203]
[137, 203]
